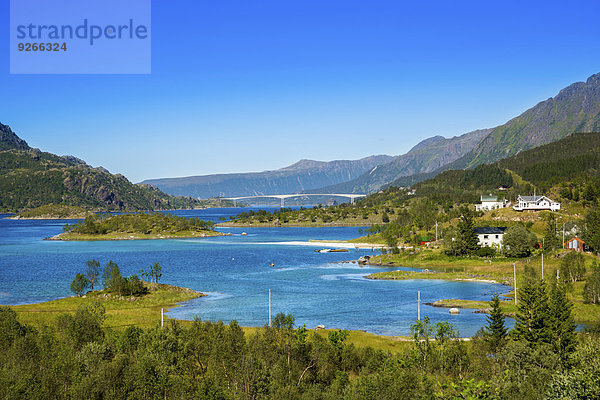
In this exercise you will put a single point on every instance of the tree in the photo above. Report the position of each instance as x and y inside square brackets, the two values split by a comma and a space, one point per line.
[572, 267]
[592, 229]
[79, 284]
[468, 242]
[591, 290]
[112, 278]
[385, 218]
[93, 272]
[562, 325]
[532, 318]
[518, 242]
[551, 239]
[495, 332]
[461, 241]
[156, 272]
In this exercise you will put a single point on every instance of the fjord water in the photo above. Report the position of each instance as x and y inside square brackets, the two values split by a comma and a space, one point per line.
[317, 288]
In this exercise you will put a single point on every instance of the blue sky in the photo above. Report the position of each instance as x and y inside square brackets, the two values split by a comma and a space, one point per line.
[242, 86]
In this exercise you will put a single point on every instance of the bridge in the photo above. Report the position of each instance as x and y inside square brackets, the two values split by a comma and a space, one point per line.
[282, 197]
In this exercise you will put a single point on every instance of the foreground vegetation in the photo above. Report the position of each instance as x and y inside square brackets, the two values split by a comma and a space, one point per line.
[137, 226]
[83, 355]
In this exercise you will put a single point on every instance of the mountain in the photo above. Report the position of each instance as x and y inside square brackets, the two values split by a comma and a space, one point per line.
[571, 164]
[301, 176]
[10, 141]
[424, 158]
[576, 108]
[31, 178]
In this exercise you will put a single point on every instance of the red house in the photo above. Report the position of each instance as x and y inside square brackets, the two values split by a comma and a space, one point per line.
[574, 244]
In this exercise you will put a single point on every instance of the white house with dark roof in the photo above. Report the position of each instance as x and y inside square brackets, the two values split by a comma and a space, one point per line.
[535, 203]
[490, 236]
[490, 202]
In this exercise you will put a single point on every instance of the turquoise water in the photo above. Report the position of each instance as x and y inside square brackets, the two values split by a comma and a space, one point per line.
[317, 288]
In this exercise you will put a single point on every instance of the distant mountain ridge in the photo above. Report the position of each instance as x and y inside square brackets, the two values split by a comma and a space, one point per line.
[575, 108]
[426, 157]
[31, 178]
[298, 177]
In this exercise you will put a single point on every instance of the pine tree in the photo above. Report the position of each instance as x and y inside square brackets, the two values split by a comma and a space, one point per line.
[591, 290]
[495, 332]
[468, 242]
[562, 325]
[532, 319]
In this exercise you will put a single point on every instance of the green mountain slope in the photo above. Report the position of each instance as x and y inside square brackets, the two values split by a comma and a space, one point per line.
[30, 178]
[574, 109]
[571, 163]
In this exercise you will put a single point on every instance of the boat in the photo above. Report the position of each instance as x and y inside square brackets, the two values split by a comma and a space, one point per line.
[323, 251]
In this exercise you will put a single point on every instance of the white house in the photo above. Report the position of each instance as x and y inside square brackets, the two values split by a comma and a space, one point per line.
[535, 203]
[490, 236]
[490, 203]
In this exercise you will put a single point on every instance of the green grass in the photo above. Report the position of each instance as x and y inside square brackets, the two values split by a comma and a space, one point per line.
[121, 312]
[474, 268]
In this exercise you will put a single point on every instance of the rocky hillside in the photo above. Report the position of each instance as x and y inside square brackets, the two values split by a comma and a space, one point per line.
[426, 157]
[31, 178]
[301, 176]
[574, 109]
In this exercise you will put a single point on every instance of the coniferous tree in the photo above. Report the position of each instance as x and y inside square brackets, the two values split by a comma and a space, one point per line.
[591, 290]
[495, 332]
[562, 325]
[532, 319]
[467, 240]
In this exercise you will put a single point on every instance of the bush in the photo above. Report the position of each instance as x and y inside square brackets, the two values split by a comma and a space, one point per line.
[486, 251]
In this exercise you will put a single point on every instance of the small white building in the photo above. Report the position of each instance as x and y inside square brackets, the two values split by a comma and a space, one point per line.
[490, 202]
[490, 236]
[535, 203]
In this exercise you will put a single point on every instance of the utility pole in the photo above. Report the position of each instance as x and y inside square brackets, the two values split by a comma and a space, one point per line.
[515, 277]
[419, 306]
[563, 235]
[542, 266]
[436, 231]
[269, 308]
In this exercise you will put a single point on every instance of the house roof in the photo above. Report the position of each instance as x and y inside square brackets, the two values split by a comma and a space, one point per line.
[531, 198]
[534, 199]
[575, 238]
[489, 198]
[490, 230]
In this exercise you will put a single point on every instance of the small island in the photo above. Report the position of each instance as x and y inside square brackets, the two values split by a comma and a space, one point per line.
[137, 227]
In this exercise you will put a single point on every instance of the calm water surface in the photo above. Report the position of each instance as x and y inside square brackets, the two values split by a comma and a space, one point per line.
[317, 288]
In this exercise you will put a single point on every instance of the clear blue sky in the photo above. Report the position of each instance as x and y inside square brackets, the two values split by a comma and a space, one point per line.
[252, 85]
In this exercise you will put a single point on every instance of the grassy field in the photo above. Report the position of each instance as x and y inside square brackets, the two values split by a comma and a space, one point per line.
[71, 236]
[143, 311]
[498, 270]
